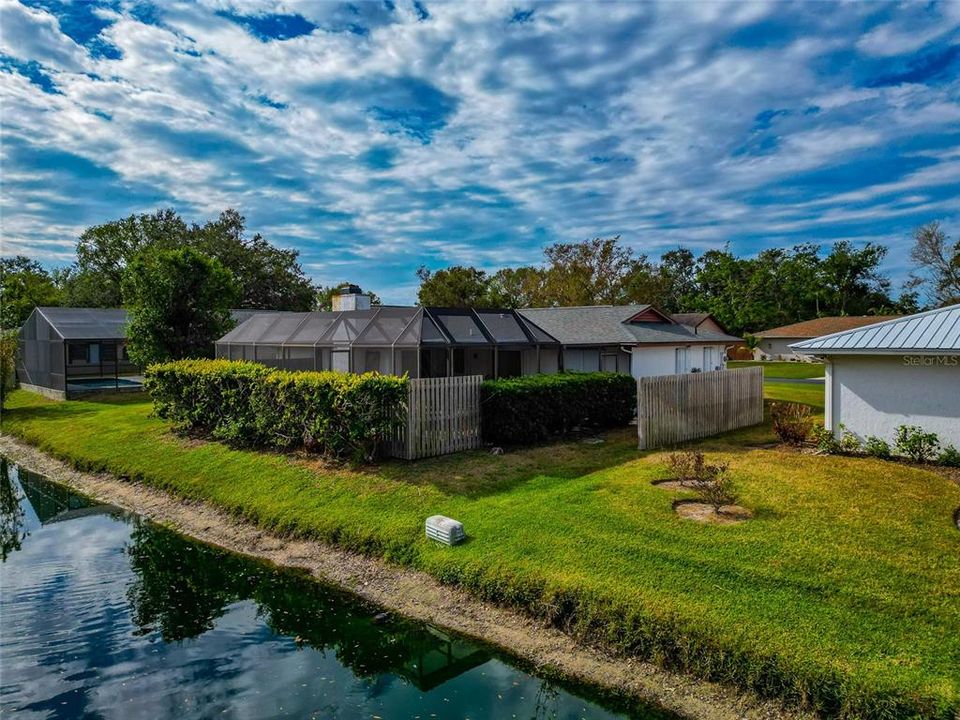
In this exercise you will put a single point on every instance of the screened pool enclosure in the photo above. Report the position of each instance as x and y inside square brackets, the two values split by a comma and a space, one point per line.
[422, 342]
[66, 351]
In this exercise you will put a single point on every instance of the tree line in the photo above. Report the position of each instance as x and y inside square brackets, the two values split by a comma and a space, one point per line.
[746, 294]
[123, 261]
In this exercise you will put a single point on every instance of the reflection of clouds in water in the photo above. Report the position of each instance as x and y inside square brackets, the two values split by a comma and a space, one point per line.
[71, 648]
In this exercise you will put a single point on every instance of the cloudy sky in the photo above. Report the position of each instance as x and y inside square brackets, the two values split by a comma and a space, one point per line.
[375, 137]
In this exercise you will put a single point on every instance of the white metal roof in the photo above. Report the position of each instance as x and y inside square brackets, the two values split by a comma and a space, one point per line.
[935, 331]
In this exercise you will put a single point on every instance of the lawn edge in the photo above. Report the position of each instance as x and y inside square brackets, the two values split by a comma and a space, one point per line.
[416, 595]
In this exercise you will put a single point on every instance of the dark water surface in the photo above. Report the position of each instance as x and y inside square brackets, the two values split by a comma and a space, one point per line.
[106, 615]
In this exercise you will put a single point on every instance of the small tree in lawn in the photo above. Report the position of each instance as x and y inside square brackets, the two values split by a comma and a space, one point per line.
[179, 303]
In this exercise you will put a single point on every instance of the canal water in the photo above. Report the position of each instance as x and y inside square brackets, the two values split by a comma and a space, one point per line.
[106, 615]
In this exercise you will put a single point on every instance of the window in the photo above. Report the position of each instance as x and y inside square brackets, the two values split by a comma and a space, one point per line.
[680, 360]
[371, 362]
[707, 359]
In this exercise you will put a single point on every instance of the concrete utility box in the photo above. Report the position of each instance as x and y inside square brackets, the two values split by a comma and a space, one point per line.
[351, 298]
[445, 530]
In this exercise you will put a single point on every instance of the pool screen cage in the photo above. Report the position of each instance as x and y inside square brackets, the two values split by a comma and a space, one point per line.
[420, 342]
[59, 346]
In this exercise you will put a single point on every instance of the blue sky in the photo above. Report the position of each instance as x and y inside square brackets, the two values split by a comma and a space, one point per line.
[375, 137]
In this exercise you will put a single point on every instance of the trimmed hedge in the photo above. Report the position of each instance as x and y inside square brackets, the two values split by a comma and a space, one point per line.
[249, 404]
[536, 408]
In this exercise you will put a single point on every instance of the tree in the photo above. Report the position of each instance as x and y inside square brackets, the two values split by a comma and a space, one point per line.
[324, 298]
[937, 263]
[588, 273]
[9, 347]
[268, 277]
[852, 280]
[456, 286]
[518, 287]
[677, 271]
[179, 303]
[24, 285]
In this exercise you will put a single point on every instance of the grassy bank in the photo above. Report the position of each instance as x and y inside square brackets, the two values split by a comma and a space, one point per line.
[791, 370]
[843, 592]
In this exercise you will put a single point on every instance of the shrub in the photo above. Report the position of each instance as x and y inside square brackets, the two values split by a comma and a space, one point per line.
[719, 490]
[916, 444]
[250, 404]
[791, 422]
[848, 443]
[877, 447]
[536, 408]
[950, 457]
[824, 439]
[687, 465]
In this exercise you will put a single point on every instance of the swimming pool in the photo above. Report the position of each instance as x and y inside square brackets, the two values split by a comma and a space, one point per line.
[93, 384]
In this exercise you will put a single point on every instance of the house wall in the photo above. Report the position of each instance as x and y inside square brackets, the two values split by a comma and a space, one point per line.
[779, 349]
[596, 358]
[662, 359]
[549, 361]
[710, 325]
[872, 395]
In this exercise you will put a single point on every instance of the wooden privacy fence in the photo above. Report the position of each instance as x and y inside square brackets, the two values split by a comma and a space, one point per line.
[674, 408]
[443, 416]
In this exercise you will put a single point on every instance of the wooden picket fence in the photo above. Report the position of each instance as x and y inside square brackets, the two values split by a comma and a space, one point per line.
[674, 408]
[443, 416]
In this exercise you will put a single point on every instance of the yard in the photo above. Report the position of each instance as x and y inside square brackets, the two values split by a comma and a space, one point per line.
[844, 590]
[776, 369]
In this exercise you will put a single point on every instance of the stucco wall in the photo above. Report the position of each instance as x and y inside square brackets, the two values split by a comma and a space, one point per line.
[652, 361]
[779, 349]
[872, 395]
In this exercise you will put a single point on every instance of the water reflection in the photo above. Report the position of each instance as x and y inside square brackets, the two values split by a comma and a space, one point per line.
[104, 614]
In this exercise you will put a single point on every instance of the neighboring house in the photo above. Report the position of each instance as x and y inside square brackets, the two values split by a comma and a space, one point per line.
[775, 343]
[904, 371]
[701, 322]
[427, 342]
[63, 351]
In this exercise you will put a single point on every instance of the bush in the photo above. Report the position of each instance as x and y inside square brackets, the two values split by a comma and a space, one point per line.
[877, 447]
[791, 422]
[916, 444]
[719, 490]
[824, 439]
[848, 443]
[950, 457]
[250, 404]
[536, 408]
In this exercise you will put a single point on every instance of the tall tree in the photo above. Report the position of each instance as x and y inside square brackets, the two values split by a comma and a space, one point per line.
[456, 286]
[937, 264]
[594, 272]
[518, 288]
[678, 276]
[179, 303]
[852, 280]
[268, 277]
[24, 285]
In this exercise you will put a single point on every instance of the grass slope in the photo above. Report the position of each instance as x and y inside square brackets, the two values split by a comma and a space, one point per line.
[791, 370]
[843, 593]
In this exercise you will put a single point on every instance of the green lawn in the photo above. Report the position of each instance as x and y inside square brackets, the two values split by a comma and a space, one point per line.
[806, 393]
[844, 591]
[792, 370]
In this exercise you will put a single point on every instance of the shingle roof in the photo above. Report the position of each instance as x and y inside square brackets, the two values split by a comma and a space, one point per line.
[936, 331]
[693, 319]
[824, 326]
[606, 325]
[73, 323]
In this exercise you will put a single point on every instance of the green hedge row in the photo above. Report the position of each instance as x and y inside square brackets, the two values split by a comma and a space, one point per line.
[536, 408]
[249, 404]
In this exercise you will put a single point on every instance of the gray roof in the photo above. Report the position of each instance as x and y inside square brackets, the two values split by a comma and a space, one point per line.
[72, 323]
[934, 331]
[607, 325]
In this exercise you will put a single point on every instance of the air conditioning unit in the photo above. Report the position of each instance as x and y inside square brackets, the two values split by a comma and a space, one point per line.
[445, 530]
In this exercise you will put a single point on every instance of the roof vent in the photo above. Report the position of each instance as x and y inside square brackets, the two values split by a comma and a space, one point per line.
[445, 530]
[351, 297]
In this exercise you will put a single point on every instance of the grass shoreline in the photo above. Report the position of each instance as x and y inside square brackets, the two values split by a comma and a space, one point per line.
[557, 534]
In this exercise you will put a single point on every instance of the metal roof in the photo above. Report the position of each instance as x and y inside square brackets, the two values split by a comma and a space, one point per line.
[934, 331]
[72, 323]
